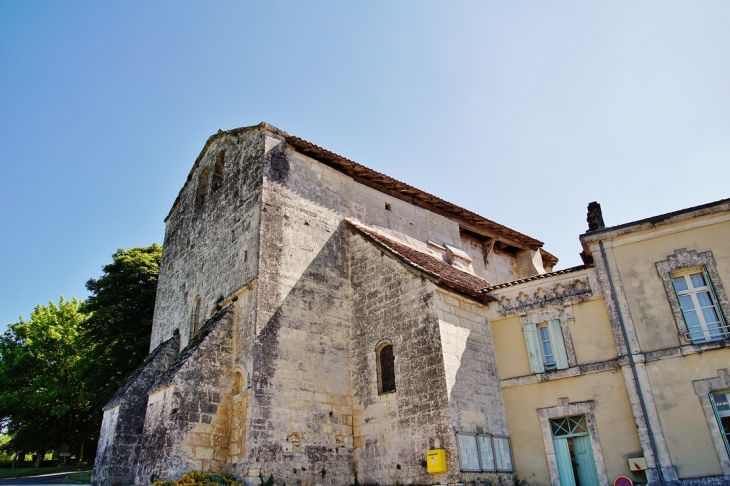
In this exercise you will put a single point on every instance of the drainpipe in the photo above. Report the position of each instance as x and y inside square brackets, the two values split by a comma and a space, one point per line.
[633, 365]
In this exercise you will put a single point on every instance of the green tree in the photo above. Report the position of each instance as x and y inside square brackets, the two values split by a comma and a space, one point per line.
[39, 386]
[117, 333]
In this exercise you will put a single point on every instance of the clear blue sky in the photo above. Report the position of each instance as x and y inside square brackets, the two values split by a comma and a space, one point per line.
[523, 112]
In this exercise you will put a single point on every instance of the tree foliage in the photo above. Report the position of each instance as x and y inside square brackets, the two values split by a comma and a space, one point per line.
[39, 384]
[117, 333]
[58, 369]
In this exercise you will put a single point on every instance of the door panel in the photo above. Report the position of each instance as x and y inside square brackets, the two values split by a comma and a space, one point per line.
[565, 465]
[587, 475]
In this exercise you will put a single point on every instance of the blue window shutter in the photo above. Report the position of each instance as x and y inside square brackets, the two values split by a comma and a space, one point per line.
[556, 339]
[533, 348]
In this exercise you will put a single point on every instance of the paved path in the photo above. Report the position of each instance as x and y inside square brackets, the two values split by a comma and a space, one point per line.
[58, 478]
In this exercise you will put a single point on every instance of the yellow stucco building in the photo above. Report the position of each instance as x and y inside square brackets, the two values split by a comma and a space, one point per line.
[619, 367]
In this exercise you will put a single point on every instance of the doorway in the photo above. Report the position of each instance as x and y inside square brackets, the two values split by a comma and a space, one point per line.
[573, 451]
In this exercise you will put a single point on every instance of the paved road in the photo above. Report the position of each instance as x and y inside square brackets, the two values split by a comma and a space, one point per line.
[58, 478]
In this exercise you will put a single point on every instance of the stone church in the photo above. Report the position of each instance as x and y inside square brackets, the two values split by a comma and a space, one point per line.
[319, 322]
[315, 319]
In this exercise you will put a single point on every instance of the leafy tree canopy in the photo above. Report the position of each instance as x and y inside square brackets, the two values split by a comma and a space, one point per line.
[58, 369]
[117, 332]
[39, 387]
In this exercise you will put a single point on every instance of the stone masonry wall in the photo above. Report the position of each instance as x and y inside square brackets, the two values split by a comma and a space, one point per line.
[124, 415]
[472, 380]
[406, 222]
[393, 431]
[300, 402]
[211, 243]
[187, 421]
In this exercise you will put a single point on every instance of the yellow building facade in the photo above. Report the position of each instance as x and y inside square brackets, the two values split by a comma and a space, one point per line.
[620, 367]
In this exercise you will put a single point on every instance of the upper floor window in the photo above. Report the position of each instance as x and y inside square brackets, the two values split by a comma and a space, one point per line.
[696, 296]
[202, 190]
[545, 346]
[699, 305]
[721, 405]
[218, 170]
[386, 369]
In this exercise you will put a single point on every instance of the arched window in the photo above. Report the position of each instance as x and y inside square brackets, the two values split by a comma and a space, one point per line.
[202, 189]
[195, 324]
[218, 170]
[386, 368]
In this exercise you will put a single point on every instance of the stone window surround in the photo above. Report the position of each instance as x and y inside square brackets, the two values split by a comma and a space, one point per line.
[703, 388]
[562, 313]
[567, 409]
[378, 348]
[680, 260]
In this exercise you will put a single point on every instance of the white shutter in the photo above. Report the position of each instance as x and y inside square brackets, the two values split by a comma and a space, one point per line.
[556, 339]
[533, 348]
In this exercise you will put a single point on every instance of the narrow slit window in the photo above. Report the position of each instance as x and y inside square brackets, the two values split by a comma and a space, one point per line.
[218, 171]
[195, 327]
[386, 369]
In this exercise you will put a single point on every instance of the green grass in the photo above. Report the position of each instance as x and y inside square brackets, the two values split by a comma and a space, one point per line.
[84, 477]
[21, 472]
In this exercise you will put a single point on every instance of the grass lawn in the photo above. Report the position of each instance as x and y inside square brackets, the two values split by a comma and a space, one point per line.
[21, 472]
[81, 477]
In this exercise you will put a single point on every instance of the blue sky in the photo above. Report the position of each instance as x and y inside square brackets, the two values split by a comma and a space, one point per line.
[523, 112]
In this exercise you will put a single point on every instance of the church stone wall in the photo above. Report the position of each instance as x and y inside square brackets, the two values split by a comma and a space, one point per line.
[393, 431]
[188, 411]
[211, 247]
[300, 403]
[121, 429]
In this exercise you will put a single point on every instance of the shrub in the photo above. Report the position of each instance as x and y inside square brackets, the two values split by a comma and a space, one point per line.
[198, 478]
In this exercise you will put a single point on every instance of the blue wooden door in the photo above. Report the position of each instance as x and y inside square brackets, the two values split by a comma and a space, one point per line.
[583, 452]
[565, 463]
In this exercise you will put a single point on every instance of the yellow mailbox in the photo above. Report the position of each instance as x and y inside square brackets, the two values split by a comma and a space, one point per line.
[436, 461]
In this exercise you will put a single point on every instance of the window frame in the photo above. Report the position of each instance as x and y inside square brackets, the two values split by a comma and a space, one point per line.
[692, 292]
[536, 353]
[704, 389]
[379, 368]
[719, 415]
[681, 260]
[496, 460]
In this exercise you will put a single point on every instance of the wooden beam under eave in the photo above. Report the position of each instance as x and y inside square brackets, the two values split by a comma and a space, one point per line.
[495, 236]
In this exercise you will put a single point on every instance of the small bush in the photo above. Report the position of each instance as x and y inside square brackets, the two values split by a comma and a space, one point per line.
[198, 478]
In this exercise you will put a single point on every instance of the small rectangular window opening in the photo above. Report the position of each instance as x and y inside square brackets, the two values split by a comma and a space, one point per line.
[245, 255]
[387, 207]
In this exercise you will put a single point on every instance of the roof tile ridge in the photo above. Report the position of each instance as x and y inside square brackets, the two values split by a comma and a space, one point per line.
[366, 230]
[564, 271]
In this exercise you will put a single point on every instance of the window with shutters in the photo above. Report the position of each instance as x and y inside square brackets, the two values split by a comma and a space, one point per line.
[386, 368]
[545, 346]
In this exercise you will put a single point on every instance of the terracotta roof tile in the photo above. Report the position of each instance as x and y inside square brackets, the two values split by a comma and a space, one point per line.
[440, 270]
[536, 277]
